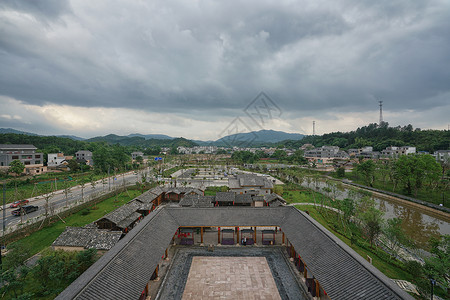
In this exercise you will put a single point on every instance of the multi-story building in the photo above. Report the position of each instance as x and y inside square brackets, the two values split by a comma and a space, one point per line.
[84, 156]
[397, 151]
[25, 153]
[33, 161]
[442, 156]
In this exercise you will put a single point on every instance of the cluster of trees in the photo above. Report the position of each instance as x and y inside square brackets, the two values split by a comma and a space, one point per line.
[52, 273]
[412, 172]
[142, 142]
[380, 137]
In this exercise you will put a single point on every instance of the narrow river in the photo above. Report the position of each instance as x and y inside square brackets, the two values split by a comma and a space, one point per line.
[418, 223]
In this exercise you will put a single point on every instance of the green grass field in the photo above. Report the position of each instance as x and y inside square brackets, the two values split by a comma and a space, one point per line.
[43, 238]
[385, 267]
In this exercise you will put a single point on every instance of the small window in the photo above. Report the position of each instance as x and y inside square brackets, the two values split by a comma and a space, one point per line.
[37, 156]
[15, 157]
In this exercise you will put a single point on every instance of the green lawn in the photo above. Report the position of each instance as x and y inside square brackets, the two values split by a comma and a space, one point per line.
[43, 238]
[385, 267]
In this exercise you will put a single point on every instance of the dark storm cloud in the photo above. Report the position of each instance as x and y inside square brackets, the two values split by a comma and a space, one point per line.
[42, 8]
[213, 56]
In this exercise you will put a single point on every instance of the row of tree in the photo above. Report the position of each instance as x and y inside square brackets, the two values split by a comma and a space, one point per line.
[380, 137]
[412, 172]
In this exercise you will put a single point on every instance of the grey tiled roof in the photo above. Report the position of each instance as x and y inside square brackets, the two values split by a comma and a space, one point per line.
[269, 198]
[119, 215]
[243, 198]
[129, 220]
[197, 201]
[146, 197]
[16, 146]
[181, 190]
[225, 196]
[123, 272]
[249, 180]
[88, 238]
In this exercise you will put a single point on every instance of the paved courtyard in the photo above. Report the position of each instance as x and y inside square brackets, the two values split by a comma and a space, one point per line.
[230, 278]
[230, 272]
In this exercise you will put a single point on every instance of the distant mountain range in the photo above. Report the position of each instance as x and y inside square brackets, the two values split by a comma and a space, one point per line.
[151, 136]
[258, 137]
[10, 130]
[253, 138]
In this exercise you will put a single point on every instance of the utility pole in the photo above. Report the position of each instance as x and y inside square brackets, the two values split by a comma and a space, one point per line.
[3, 232]
[109, 181]
[381, 113]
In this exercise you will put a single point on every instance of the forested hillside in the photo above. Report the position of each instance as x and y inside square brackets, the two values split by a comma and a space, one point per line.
[380, 138]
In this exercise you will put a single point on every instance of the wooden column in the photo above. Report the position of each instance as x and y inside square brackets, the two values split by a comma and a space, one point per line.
[201, 234]
[317, 288]
[237, 234]
[156, 271]
[283, 238]
[166, 254]
[254, 235]
[305, 272]
[218, 235]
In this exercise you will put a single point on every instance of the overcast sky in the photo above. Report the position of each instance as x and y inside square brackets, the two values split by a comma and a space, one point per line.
[189, 68]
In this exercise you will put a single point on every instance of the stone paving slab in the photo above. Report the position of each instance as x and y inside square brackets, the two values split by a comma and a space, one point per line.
[230, 278]
[288, 285]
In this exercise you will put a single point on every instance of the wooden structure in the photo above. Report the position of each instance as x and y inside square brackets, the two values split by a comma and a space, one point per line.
[248, 236]
[269, 238]
[186, 235]
[227, 236]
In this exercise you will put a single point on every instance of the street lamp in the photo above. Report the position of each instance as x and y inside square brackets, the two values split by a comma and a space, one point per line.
[433, 282]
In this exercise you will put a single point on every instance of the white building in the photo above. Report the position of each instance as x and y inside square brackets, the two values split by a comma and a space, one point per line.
[55, 159]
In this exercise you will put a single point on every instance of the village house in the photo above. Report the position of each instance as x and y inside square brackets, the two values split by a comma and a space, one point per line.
[33, 161]
[136, 154]
[394, 151]
[84, 156]
[82, 238]
[250, 184]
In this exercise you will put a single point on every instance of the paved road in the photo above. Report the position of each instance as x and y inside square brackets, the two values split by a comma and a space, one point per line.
[59, 199]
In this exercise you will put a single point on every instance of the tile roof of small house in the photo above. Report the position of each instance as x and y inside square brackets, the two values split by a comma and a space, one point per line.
[225, 196]
[123, 272]
[249, 180]
[197, 201]
[269, 198]
[88, 238]
[122, 213]
[243, 198]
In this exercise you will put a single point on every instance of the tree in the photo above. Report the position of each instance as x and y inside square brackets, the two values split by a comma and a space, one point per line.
[414, 170]
[278, 189]
[140, 159]
[66, 191]
[16, 167]
[367, 170]
[15, 279]
[437, 266]
[73, 165]
[394, 233]
[279, 154]
[340, 172]
[372, 220]
[17, 254]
